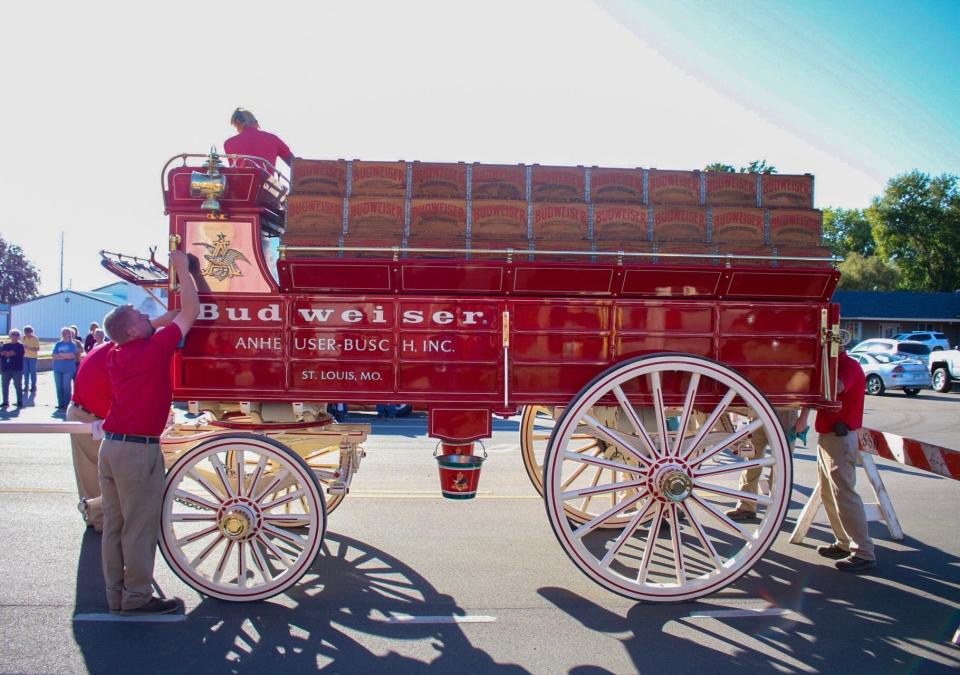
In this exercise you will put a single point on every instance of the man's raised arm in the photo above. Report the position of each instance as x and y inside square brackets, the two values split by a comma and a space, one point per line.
[189, 302]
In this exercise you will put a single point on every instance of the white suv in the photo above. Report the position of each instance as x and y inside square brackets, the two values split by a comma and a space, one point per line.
[934, 340]
[916, 350]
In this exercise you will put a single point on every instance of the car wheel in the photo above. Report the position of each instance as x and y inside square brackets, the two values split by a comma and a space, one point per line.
[941, 380]
[875, 385]
[911, 391]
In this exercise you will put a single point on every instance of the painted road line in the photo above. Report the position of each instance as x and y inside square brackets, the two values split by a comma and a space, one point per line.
[142, 618]
[396, 617]
[740, 613]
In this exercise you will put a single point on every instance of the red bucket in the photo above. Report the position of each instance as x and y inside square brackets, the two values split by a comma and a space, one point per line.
[459, 473]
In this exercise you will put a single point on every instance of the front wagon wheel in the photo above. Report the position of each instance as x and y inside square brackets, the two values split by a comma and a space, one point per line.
[676, 542]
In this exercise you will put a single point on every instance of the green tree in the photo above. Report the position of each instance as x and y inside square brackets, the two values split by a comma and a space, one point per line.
[19, 279]
[916, 226]
[866, 273]
[756, 166]
[848, 231]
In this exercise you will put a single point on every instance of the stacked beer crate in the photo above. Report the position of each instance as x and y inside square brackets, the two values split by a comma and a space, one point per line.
[550, 213]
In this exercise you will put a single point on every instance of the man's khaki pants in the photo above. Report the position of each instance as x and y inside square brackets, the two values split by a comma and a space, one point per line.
[837, 469]
[86, 452]
[750, 479]
[131, 481]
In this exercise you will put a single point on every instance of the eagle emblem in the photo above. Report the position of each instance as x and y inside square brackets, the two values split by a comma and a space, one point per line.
[222, 260]
[460, 482]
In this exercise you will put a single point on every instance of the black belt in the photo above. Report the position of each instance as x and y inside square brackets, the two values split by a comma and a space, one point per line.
[131, 438]
[89, 412]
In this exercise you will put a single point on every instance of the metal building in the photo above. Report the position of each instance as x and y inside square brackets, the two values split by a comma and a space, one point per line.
[49, 313]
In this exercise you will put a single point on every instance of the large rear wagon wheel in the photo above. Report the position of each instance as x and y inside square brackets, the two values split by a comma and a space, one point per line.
[677, 543]
[243, 517]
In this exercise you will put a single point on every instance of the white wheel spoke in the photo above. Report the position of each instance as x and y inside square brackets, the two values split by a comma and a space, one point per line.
[731, 492]
[617, 438]
[602, 489]
[191, 517]
[635, 420]
[722, 518]
[241, 565]
[292, 496]
[216, 494]
[594, 523]
[196, 536]
[257, 473]
[675, 541]
[732, 439]
[259, 561]
[280, 555]
[628, 531]
[734, 467]
[709, 423]
[222, 473]
[687, 412]
[221, 566]
[269, 487]
[284, 535]
[180, 493]
[702, 536]
[241, 472]
[601, 461]
[657, 392]
[596, 479]
[198, 560]
[650, 545]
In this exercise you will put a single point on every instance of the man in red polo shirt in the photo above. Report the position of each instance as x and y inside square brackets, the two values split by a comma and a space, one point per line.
[91, 403]
[837, 470]
[251, 140]
[131, 464]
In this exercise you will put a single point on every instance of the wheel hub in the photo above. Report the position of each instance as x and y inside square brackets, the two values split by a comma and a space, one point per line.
[238, 521]
[669, 480]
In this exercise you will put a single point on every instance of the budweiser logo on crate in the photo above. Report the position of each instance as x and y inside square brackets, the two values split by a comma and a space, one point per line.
[306, 214]
[798, 227]
[731, 189]
[328, 177]
[557, 183]
[438, 218]
[499, 181]
[496, 219]
[787, 191]
[743, 226]
[672, 223]
[619, 221]
[371, 217]
[560, 221]
[439, 180]
[379, 179]
[616, 185]
[674, 187]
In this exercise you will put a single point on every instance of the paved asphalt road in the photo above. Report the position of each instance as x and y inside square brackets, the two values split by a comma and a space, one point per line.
[396, 550]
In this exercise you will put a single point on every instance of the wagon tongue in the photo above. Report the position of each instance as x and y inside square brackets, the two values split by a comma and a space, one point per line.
[137, 271]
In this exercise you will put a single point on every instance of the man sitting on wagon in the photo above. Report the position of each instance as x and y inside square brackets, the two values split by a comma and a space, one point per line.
[252, 140]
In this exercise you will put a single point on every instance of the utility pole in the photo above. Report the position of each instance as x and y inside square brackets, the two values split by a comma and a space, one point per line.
[61, 261]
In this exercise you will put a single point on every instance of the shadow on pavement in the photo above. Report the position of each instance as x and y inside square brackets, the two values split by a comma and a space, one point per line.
[901, 615]
[349, 600]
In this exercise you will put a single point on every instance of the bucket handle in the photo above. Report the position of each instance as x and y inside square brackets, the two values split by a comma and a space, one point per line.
[483, 449]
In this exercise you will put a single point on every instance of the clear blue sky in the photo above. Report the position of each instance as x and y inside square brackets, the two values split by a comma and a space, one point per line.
[97, 96]
[879, 79]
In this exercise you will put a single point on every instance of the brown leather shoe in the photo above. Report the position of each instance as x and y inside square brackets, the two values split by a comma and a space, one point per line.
[833, 551]
[740, 514]
[154, 606]
[855, 565]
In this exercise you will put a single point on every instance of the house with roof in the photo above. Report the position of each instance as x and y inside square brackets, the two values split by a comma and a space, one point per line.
[871, 314]
[49, 313]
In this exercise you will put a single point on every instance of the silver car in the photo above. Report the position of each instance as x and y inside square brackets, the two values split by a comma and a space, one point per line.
[892, 371]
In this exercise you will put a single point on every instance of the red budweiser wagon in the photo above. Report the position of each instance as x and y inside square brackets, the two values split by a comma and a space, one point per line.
[645, 355]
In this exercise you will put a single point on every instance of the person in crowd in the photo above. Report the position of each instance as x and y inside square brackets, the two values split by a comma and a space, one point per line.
[31, 353]
[90, 340]
[252, 140]
[90, 404]
[11, 368]
[837, 447]
[99, 337]
[131, 464]
[66, 354]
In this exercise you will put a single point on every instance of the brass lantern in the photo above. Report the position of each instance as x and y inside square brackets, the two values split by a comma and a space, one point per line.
[210, 185]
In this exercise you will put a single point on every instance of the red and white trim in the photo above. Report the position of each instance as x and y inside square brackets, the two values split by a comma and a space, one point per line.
[924, 456]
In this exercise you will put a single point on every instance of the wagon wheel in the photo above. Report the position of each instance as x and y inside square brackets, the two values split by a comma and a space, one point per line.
[325, 462]
[677, 543]
[536, 426]
[246, 539]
